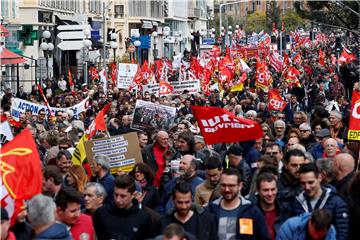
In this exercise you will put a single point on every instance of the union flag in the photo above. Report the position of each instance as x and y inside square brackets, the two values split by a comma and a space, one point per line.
[21, 175]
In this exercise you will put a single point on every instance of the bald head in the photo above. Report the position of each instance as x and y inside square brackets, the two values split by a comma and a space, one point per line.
[162, 138]
[344, 164]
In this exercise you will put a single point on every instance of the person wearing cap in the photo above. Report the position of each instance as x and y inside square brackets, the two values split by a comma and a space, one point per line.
[6, 234]
[307, 138]
[234, 157]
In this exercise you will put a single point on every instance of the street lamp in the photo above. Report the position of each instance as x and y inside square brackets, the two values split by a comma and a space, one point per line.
[154, 35]
[87, 44]
[166, 33]
[137, 43]
[46, 47]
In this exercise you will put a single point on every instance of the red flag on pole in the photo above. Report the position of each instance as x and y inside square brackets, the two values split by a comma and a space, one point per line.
[21, 172]
[220, 126]
[98, 124]
[52, 114]
[276, 102]
[321, 57]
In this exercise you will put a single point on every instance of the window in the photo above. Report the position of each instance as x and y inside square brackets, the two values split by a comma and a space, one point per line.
[119, 11]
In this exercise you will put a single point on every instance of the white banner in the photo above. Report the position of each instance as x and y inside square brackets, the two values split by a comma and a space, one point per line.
[19, 105]
[126, 74]
[192, 86]
[152, 89]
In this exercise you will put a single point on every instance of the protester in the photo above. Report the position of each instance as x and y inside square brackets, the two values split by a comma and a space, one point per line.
[6, 234]
[123, 218]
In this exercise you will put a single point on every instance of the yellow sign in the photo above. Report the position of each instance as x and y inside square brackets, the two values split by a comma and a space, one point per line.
[246, 226]
[354, 135]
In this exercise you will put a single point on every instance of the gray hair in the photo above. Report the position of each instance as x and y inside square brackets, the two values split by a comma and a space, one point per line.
[41, 210]
[103, 161]
[250, 113]
[309, 157]
[325, 165]
[336, 114]
[279, 123]
[299, 147]
[99, 189]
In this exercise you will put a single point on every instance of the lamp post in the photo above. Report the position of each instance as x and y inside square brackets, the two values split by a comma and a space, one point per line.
[180, 39]
[154, 35]
[87, 44]
[166, 33]
[47, 47]
[137, 44]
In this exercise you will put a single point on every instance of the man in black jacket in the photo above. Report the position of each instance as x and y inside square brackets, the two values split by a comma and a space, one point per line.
[123, 219]
[194, 219]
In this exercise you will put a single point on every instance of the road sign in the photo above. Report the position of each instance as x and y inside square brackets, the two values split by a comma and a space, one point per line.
[131, 48]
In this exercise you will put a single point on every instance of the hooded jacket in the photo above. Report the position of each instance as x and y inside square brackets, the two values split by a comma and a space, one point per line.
[330, 201]
[247, 211]
[110, 222]
[295, 229]
[55, 231]
[205, 222]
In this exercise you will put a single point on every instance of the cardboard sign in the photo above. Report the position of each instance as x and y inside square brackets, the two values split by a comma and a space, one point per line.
[19, 105]
[123, 150]
[148, 115]
[126, 74]
[193, 86]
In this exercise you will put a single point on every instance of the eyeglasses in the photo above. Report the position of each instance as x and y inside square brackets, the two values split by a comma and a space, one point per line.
[272, 153]
[63, 147]
[267, 139]
[42, 114]
[303, 131]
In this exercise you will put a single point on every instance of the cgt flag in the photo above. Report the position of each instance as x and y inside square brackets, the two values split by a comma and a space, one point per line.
[354, 125]
[220, 126]
[276, 101]
[21, 175]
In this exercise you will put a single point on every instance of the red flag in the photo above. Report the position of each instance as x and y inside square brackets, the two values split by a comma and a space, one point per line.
[291, 76]
[263, 76]
[165, 88]
[346, 58]
[93, 72]
[276, 102]
[220, 126]
[71, 82]
[354, 124]
[321, 57]
[21, 173]
[297, 59]
[276, 62]
[113, 72]
[98, 124]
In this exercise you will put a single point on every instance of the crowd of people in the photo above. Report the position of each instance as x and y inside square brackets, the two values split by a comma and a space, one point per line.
[301, 180]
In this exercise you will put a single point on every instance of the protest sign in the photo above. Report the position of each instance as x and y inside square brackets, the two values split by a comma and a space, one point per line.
[152, 88]
[123, 151]
[193, 86]
[148, 115]
[354, 125]
[126, 73]
[19, 105]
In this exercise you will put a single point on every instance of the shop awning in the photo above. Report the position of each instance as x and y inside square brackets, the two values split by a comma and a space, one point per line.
[7, 57]
[3, 31]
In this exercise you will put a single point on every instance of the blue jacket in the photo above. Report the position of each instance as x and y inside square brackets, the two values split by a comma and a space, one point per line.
[247, 210]
[295, 229]
[166, 203]
[55, 231]
[332, 202]
[108, 181]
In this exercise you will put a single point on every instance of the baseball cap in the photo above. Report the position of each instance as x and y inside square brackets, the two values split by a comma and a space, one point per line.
[323, 133]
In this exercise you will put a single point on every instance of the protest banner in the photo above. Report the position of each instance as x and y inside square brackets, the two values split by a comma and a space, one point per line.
[125, 75]
[148, 115]
[19, 105]
[192, 86]
[354, 125]
[123, 151]
[152, 88]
